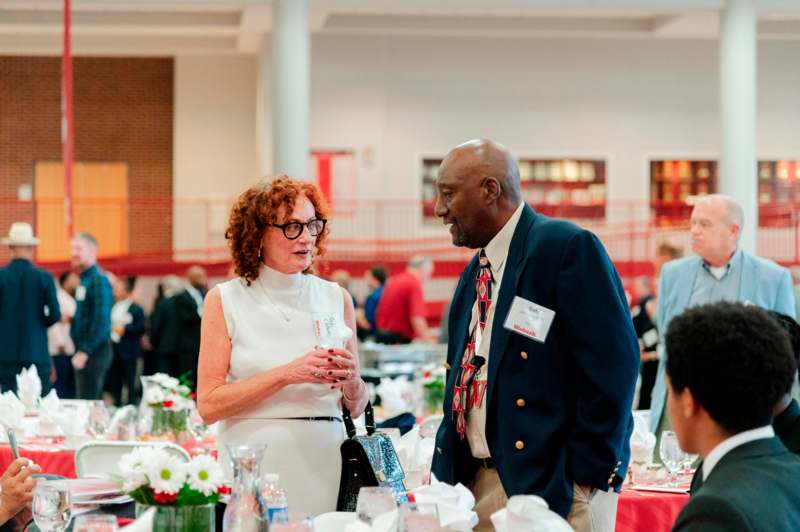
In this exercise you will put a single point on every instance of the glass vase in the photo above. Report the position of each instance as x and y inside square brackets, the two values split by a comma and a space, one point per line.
[181, 518]
[246, 510]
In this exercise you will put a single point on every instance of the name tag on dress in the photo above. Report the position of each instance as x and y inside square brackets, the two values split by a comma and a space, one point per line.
[529, 319]
[325, 329]
[80, 293]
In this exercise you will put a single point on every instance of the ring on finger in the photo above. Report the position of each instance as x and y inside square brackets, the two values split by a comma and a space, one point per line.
[317, 373]
[349, 374]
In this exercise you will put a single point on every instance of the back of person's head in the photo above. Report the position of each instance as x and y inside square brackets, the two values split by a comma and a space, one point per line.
[130, 283]
[735, 359]
[669, 250]
[421, 264]
[379, 273]
[63, 276]
[792, 328]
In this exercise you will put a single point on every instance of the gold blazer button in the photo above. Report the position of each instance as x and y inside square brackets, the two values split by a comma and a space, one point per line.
[520, 402]
[524, 355]
[519, 445]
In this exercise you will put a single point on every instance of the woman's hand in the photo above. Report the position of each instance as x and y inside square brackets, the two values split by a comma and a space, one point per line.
[16, 487]
[320, 367]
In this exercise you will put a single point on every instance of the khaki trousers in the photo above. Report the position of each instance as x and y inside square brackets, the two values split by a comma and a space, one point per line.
[592, 510]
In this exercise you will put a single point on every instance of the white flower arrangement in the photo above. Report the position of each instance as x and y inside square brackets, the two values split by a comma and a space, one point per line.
[155, 477]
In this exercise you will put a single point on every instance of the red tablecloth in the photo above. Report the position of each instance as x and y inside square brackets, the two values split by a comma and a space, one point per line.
[53, 461]
[648, 510]
[57, 461]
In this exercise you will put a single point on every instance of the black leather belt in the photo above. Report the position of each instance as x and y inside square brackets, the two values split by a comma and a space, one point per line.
[488, 463]
[315, 418]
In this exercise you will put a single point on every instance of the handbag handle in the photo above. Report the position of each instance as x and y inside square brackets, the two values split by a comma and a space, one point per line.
[369, 417]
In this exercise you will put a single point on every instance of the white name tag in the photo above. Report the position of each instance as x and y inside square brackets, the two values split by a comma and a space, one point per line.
[529, 319]
[650, 338]
[80, 293]
[325, 329]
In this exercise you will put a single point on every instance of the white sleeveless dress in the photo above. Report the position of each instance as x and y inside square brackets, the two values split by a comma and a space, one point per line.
[271, 323]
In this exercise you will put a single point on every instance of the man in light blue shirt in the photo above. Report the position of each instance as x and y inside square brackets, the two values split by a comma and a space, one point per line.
[720, 271]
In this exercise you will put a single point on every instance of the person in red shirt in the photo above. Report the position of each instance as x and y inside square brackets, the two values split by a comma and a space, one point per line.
[400, 317]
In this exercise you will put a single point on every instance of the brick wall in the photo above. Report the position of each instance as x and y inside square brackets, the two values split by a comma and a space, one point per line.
[123, 109]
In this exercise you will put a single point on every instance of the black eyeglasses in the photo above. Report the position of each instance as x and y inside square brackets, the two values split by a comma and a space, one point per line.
[293, 230]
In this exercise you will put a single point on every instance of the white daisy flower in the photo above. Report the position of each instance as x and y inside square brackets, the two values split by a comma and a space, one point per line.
[205, 475]
[132, 467]
[166, 474]
[154, 396]
[184, 390]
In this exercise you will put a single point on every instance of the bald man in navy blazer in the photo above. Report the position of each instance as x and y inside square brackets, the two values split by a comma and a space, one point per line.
[542, 360]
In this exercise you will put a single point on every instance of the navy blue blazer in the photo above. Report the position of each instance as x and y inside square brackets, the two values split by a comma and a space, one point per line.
[130, 343]
[558, 412]
[28, 306]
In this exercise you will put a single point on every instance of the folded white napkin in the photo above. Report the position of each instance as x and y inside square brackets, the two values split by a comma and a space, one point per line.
[11, 411]
[29, 386]
[73, 420]
[643, 442]
[528, 513]
[49, 414]
[415, 453]
[454, 503]
[397, 396]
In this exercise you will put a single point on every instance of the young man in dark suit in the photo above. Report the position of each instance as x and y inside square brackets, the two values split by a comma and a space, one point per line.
[542, 358]
[188, 312]
[28, 306]
[787, 411]
[127, 329]
[728, 365]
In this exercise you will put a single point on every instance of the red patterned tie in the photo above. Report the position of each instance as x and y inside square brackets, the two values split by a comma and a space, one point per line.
[469, 391]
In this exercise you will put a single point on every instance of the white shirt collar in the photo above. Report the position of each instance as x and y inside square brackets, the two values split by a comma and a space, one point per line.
[497, 248]
[726, 446]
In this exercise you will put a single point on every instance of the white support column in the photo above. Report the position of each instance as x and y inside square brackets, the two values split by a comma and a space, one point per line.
[291, 88]
[737, 91]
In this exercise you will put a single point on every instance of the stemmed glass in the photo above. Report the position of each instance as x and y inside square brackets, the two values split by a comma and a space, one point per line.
[671, 455]
[374, 501]
[52, 506]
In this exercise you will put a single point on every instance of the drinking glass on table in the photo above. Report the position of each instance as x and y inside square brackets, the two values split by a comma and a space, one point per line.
[374, 501]
[95, 523]
[671, 455]
[99, 418]
[52, 507]
[419, 517]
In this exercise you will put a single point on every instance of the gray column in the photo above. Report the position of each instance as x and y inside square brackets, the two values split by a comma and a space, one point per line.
[737, 91]
[291, 88]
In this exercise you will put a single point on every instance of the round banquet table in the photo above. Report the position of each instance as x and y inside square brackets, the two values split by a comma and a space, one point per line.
[648, 510]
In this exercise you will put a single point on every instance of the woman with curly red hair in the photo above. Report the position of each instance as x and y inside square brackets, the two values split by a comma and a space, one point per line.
[277, 352]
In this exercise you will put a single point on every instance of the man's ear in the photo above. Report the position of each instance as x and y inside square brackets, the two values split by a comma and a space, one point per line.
[491, 189]
[690, 408]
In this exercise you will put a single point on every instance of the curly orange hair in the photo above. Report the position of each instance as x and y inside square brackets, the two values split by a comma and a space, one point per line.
[257, 208]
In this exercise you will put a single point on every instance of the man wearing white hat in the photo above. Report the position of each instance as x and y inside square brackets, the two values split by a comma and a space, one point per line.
[28, 306]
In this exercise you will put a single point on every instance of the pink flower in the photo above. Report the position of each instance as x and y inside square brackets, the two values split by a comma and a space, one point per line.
[168, 403]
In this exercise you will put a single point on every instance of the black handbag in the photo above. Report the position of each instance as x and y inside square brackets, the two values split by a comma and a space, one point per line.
[368, 460]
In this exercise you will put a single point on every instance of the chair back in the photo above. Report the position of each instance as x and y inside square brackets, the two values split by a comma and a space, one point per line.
[101, 458]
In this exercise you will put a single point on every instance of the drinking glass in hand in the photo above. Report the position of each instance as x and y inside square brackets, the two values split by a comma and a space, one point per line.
[419, 517]
[374, 501]
[52, 508]
[671, 455]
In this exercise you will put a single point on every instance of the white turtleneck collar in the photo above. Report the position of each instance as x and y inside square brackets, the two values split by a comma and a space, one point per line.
[275, 280]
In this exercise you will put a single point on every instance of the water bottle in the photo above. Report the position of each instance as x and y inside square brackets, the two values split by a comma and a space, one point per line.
[275, 498]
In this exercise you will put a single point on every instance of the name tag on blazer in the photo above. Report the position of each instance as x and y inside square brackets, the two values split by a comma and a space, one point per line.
[529, 319]
[80, 293]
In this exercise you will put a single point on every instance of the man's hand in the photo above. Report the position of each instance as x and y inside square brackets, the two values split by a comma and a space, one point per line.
[79, 360]
[16, 487]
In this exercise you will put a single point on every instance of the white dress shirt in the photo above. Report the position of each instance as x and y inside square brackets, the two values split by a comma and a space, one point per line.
[726, 446]
[497, 252]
